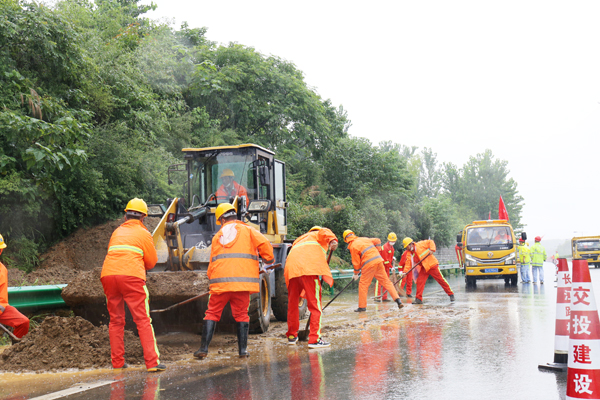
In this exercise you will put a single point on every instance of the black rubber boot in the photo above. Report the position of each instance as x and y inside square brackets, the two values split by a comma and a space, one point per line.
[400, 305]
[207, 334]
[242, 335]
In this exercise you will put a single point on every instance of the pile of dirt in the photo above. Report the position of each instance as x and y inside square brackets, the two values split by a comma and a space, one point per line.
[171, 287]
[60, 343]
[83, 250]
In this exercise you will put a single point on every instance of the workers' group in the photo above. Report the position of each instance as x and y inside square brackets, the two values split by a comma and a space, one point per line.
[531, 261]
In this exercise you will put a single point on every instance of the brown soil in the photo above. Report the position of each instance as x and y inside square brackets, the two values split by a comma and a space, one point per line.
[83, 250]
[65, 343]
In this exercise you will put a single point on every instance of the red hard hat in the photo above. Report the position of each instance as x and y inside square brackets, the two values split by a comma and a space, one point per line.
[521, 240]
[538, 239]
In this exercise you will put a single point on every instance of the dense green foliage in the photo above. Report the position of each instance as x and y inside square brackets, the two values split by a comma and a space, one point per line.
[96, 101]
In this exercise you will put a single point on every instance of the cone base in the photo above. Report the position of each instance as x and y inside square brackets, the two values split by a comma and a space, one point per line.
[553, 367]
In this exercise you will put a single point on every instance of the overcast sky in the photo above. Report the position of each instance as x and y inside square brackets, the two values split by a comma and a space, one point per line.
[521, 78]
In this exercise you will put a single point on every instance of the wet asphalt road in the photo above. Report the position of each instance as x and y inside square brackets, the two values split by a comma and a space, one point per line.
[486, 345]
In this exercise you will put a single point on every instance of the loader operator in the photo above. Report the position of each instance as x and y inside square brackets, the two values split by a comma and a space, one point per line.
[230, 188]
[366, 259]
[305, 262]
[423, 252]
[130, 253]
[8, 314]
[233, 275]
[387, 253]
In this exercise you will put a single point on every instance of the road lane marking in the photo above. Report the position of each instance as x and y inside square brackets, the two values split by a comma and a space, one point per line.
[73, 390]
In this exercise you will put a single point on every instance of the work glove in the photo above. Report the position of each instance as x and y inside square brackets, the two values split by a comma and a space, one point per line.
[265, 269]
[355, 277]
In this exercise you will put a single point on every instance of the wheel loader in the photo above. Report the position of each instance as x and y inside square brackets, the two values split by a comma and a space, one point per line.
[183, 236]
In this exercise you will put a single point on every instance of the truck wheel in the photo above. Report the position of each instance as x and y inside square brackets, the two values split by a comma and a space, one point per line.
[471, 281]
[280, 301]
[260, 307]
[514, 279]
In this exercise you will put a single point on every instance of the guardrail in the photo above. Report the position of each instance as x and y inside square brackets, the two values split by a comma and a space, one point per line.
[34, 298]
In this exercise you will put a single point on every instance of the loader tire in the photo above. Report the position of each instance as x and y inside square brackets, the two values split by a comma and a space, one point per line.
[260, 307]
[280, 301]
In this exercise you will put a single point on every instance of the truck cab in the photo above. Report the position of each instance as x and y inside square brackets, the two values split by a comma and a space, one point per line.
[586, 248]
[488, 250]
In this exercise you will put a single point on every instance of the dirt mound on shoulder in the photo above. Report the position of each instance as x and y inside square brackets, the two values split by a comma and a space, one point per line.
[83, 250]
[64, 343]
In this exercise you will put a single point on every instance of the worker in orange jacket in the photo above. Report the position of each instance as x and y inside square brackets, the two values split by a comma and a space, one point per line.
[130, 254]
[430, 266]
[9, 315]
[367, 260]
[233, 275]
[387, 253]
[305, 262]
[230, 188]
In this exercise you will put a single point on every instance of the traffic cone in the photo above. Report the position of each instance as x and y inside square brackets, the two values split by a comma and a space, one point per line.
[563, 305]
[583, 375]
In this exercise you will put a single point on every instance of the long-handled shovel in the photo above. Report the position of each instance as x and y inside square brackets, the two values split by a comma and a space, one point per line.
[12, 336]
[204, 294]
[403, 275]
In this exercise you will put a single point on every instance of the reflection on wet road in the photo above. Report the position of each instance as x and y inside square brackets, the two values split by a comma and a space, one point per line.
[486, 345]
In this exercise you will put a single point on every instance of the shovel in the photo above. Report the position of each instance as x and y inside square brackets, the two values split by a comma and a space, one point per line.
[12, 336]
[403, 275]
[205, 293]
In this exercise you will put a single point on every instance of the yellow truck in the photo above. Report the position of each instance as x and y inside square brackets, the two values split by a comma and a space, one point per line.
[587, 248]
[488, 250]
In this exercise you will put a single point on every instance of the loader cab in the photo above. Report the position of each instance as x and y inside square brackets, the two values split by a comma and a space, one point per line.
[257, 190]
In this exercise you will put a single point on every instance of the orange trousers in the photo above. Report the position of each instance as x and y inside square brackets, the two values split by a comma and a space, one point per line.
[239, 302]
[435, 274]
[12, 317]
[121, 289]
[312, 288]
[377, 271]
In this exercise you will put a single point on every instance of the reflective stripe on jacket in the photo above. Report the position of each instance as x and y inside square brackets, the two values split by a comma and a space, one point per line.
[365, 252]
[538, 255]
[234, 266]
[130, 251]
[3, 287]
[309, 256]
[422, 248]
[387, 253]
[236, 190]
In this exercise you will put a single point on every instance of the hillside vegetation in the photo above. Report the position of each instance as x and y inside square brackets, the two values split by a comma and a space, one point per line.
[96, 101]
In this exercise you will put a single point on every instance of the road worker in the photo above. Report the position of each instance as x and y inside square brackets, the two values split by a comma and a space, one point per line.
[406, 279]
[233, 275]
[368, 262]
[9, 315]
[305, 262]
[423, 251]
[538, 256]
[130, 254]
[387, 253]
[524, 259]
[230, 188]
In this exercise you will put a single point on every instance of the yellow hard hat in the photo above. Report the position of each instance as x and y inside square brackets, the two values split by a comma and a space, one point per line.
[222, 209]
[138, 205]
[2, 243]
[406, 241]
[315, 228]
[347, 233]
[227, 172]
[392, 237]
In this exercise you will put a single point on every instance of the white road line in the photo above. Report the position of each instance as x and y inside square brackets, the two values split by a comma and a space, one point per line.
[76, 389]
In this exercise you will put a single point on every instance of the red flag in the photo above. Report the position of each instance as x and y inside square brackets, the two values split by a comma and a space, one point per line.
[502, 213]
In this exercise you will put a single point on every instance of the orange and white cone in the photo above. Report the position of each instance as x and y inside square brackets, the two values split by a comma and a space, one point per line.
[563, 319]
[583, 375]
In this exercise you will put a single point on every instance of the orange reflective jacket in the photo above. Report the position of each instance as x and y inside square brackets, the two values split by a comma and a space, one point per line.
[387, 253]
[236, 190]
[365, 252]
[130, 251]
[309, 256]
[234, 258]
[422, 248]
[3, 286]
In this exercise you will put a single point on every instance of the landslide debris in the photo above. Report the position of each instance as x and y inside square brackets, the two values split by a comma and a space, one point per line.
[60, 343]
